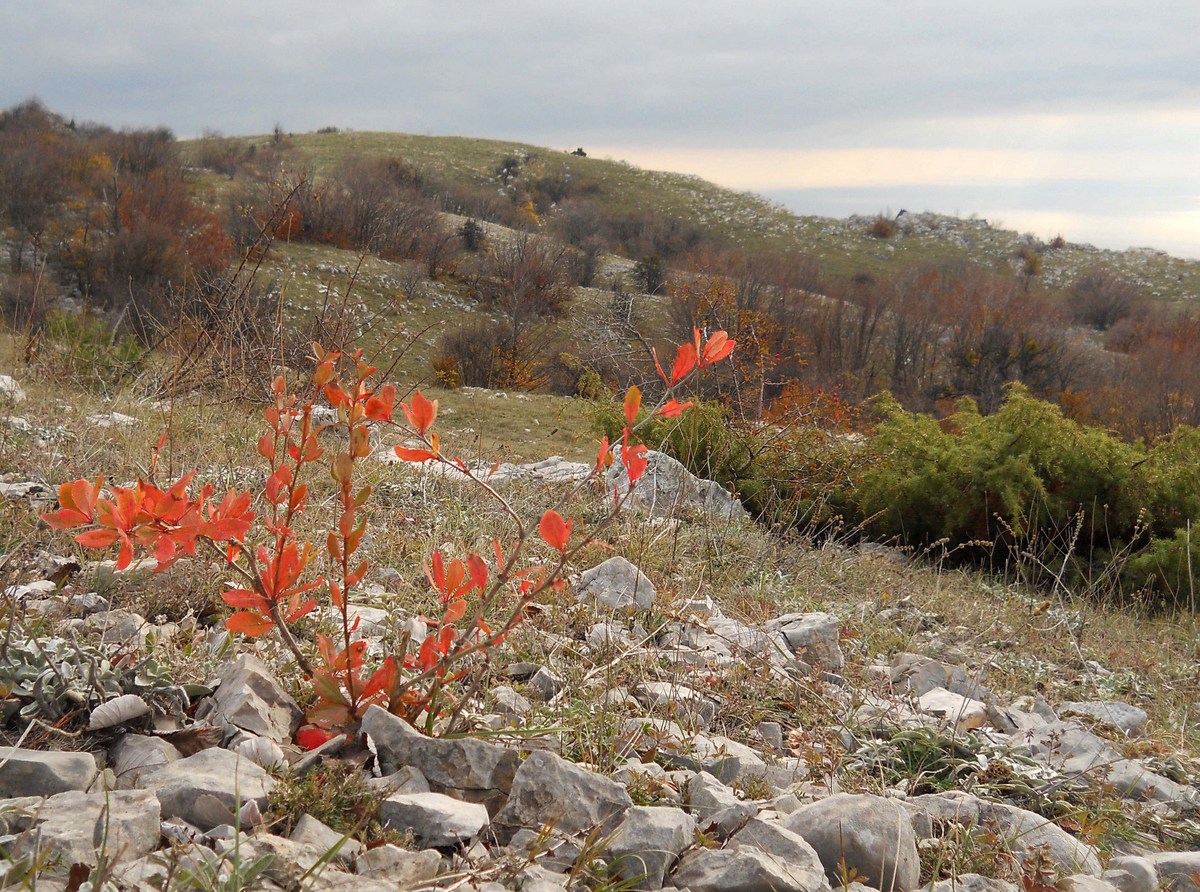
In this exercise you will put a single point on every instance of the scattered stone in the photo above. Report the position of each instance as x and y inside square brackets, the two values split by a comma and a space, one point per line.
[137, 755]
[435, 820]
[261, 751]
[869, 834]
[207, 788]
[789, 850]
[742, 869]
[959, 712]
[1084, 883]
[249, 697]
[1177, 871]
[972, 882]
[315, 835]
[647, 844]
[472, 769]
[679, 702]
[509, 703]
[921, 674]
[42, 773]
[813, 637]
[10, 390]
[550, 791]
[616, 584]
[398, 866]
[544, 685]
[118, 627]
[26, 489]
[112, 419]
[668, 489]
[608, 633]
[1132, 873]
[407, 780]
[79, 828]
[1123, 716]
[1024, 831]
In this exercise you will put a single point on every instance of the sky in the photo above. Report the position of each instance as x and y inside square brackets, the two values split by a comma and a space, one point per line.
[1046, 116]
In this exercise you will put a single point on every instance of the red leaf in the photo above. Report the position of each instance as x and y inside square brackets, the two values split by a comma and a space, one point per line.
[380, 406]
[604, 457]
[455, 611]
[242, 598]
[416, 455]
[718, 347]
[674, 408]
[633, 403]
[685, 361]
[422, 413]
[555, 530]
[310, 738]
[249, 624]
[97, 538]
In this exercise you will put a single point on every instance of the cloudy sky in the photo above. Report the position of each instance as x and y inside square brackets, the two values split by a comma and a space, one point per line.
[1048, 116]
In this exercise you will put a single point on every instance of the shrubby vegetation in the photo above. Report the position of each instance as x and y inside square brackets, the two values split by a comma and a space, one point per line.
[1006, 418]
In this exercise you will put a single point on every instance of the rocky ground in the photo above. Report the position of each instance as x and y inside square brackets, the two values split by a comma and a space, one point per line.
[632, 738]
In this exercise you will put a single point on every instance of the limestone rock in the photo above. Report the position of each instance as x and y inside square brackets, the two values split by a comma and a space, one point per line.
[250, 698]
[10, 390]
[1023, 831]
[738, 870]
[813, 637]
[681, 703]
[474, 770]
[315, 835]
[548, 790]
[921, 674]
[958, 712]
[972, 882]
[1084, 883]
[616, 584]
[77, 827]
[667, 488]
[42, 773]
[207, 788]
[789, 850]
[1127, 718]
[648, 843]
[1132, 873]
[398, 866]
[135, 755]
[869, 834]
[435, 820]
[1178, 871]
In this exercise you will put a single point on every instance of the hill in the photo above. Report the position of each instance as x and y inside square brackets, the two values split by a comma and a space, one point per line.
[749, 221]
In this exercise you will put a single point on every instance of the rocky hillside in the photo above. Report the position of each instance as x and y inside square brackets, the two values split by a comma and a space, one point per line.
[706, 706]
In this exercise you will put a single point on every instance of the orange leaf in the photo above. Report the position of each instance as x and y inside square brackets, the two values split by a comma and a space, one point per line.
[555, 530]
[249, 624]
[718, 347]
[633, 403]
[455, 611]
[310, 738]
[416, 455]
[242, 598]
[685, 361]
[97, 538]
[422, 413]
[603, 457]
[674, 408]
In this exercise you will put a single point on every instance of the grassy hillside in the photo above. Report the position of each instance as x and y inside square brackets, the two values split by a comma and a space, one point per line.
[843, 247]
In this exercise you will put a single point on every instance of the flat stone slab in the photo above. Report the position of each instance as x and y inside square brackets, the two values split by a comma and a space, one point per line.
[207, 789]
[43, 773]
